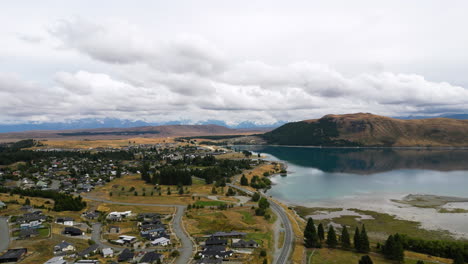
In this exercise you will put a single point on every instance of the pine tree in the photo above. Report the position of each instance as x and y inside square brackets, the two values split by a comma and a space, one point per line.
[345, 240]
[420, 262]
[357, 239]
[365, 260]
[364, 246]
[331, 237]
[310, 234]
[244, 181]
[458, 258]
[321, 232]
[398, 251]
[393, 248]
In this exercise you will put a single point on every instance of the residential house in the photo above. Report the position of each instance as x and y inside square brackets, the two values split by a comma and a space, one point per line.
[90, 215]
[64, 246]
[240, 243]
[107, 253]
[72, 231]
[68, 221]
[118, 215]
[91, 250]
[13, 255]
[126, 255]
[28, 233]
[162, 241]
[2, 205]
[31, 225]
[215, 241]
[216, 252]
[123, 239]
[56, 260]
[150, 258]
[232, 234]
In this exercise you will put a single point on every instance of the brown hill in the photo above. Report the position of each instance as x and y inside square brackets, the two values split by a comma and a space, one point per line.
[364, 129]
[122, 133]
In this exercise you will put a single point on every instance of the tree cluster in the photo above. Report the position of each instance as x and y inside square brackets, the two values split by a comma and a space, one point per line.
[62, 202]
[393, 248]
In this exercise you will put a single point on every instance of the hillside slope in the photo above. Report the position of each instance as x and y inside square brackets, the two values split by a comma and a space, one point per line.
[363, 129]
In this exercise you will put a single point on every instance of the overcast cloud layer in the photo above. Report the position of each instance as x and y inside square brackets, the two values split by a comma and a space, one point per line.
[199, 60]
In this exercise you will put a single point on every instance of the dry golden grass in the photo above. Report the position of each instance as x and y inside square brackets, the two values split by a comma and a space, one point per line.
[14, 208]
[129, 181]
[231, 155]
[42, 250]
[104, 143]
[200, 222]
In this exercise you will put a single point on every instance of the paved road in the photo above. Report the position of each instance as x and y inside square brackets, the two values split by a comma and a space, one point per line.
[4, 234]
[283, 256]
[185, 250]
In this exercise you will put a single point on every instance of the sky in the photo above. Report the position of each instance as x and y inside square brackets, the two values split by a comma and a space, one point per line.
[259, 61]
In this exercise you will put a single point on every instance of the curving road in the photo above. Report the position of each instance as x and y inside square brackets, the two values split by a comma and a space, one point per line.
[283, 257]
[187, 247]
[4, 234]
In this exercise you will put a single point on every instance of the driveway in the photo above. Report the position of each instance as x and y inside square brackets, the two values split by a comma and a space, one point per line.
[4, 234]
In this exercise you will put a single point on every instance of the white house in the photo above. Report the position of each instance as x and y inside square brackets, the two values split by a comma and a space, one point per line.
[118, 215]
[162, 241]
[123, 239]
[64, 246]
[68, 221]
[31, 224]
[107, 253]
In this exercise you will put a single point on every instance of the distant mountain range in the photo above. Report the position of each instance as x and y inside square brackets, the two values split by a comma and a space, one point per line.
[364, 129]
[129, 132]
[91, 123]
[453, 116]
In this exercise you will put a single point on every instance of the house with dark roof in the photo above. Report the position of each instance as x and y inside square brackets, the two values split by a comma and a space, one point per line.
[27, 233]
[126, 255]
[215, 241]
[232, 234]
[73, 231]
[240, 243]
[91, 250]
[13, 255]
[90, 215]
[218, 252]
[150, 258]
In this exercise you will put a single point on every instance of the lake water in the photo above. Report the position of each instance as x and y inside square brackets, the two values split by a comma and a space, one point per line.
[318, 174]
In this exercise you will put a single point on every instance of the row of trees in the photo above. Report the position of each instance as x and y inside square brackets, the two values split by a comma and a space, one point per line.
[313, 237]
[62, 202]
[456, 250]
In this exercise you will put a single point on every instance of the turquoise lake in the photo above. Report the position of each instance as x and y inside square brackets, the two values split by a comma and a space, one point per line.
[317, 174]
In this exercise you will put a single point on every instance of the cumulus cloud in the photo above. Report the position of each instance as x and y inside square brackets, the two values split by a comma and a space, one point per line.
[124, 43]
[188, 78]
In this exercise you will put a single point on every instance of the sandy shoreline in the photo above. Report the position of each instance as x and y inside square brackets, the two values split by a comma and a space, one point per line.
[429, 218]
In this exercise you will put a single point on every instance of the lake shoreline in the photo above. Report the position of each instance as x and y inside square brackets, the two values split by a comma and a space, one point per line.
[428, 218]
